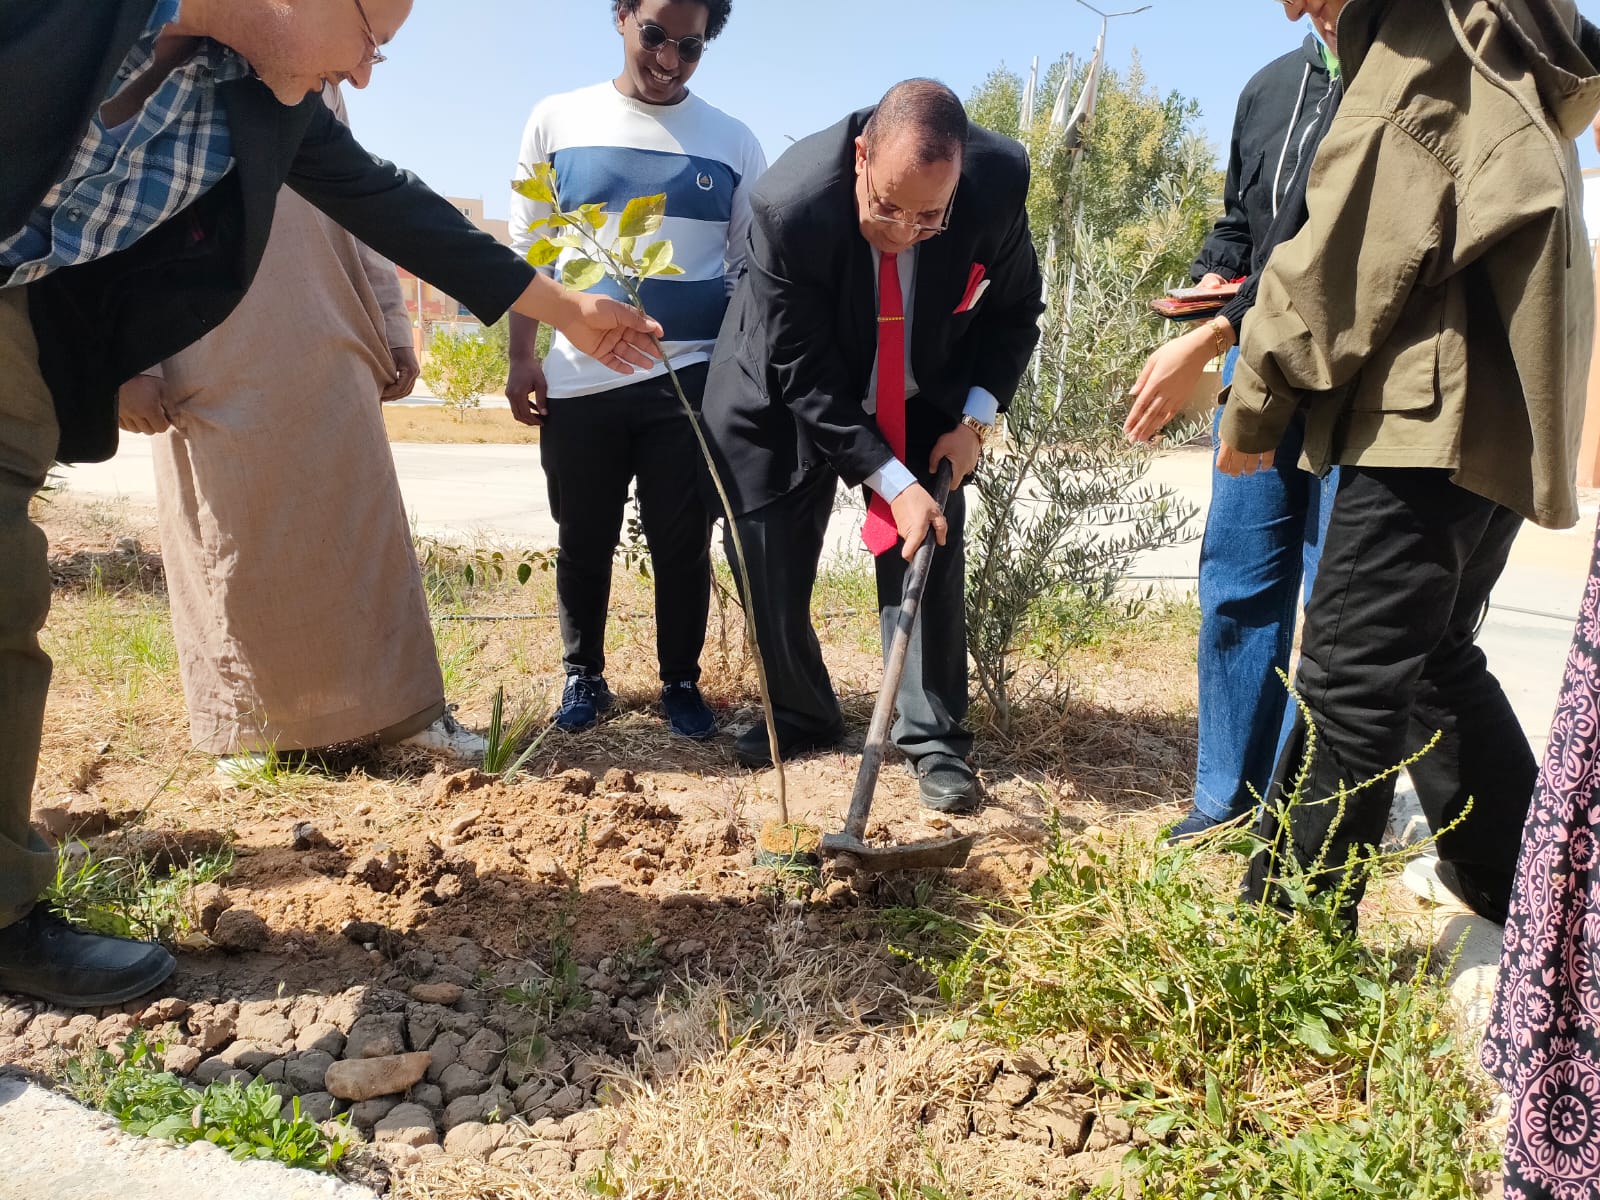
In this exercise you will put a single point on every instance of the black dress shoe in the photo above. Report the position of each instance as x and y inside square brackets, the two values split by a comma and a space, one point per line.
[752, 749]
[947, 784]
[43, 956]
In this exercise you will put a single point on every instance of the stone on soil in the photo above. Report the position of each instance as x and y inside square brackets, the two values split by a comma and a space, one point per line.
[474, 1139]
[365, 1078]
[380, 1035]
[321, 1036]
[484, 1052]
[181, 1060]
[308, 1071]
[270, 1028]
[458, 1080]
[437, 993]
[240, 929]
[408, 1124]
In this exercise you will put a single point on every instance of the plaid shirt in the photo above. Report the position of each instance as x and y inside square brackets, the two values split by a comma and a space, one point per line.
[123, 182]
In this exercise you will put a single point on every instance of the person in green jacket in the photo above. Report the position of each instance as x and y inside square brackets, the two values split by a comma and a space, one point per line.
[1433, 320]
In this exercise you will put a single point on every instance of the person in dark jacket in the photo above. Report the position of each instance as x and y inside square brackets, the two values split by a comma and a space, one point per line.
[1263, 533]
[142, 147]
[890, 307]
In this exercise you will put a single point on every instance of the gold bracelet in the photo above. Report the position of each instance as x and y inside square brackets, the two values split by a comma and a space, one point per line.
[1221, 331]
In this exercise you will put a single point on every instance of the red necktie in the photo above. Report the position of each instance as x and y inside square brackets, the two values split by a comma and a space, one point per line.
[879, 532]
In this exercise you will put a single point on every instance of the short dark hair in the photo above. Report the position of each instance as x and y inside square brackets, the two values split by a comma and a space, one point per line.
[928, 111]
[717, 20]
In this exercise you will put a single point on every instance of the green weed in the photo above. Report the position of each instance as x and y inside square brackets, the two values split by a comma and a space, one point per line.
[126, 897]
[1266, 1055]
[511, 745]
[249, 1122]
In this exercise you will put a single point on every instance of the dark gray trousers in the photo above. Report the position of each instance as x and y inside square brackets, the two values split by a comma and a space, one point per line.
[783, 543]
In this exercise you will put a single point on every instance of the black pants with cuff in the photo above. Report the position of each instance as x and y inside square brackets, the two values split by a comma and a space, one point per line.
[592, 448]
[1387, 659]
[783, 542]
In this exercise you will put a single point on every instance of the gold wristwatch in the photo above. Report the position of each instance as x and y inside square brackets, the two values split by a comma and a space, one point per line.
[977, 427]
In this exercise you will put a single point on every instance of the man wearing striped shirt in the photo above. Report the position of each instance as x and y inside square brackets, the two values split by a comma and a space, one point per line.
[639, 134]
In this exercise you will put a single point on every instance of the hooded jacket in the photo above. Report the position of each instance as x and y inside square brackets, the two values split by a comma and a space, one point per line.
[1437, 309]
[1273, 135]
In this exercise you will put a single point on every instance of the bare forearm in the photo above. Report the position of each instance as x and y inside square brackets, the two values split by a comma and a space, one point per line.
[544, 301]
[524, 337]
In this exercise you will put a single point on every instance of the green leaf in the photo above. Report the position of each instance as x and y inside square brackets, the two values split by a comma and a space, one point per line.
[642, 216]
[595, 214]
[1315, 1036]
[524, 572]
[538, 187]
[657, 260]
[581, 274]
[1162, 1125]
[1214, 1112]
[569, 241]
[543, 252]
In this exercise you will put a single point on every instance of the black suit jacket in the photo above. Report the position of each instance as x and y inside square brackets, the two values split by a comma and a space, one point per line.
[794, 358]
[102, 323]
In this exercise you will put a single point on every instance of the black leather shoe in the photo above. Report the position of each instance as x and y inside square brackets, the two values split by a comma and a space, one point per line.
[751, 747]
[43, 956]
[947, 784]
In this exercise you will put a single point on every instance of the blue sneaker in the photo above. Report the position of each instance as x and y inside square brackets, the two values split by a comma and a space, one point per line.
[582, 701]
[687, 712]
[1195, 824]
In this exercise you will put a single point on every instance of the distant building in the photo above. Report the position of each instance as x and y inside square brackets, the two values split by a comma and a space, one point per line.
[430, 308]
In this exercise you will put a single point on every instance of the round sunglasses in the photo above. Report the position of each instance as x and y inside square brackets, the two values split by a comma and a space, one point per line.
[654, 39]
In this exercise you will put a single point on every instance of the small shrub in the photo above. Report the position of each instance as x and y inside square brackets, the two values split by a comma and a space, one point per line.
[462, 368]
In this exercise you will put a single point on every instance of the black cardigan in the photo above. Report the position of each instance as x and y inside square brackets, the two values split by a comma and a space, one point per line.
[102, 323]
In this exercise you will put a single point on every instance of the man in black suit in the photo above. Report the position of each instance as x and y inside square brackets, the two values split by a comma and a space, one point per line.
[142, 147]
[889, 309]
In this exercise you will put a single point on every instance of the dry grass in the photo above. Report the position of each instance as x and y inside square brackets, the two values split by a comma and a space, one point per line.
[435, 424]
[798, 1077]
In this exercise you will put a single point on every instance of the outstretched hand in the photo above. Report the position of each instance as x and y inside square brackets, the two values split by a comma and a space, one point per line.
[612, 333]
[1169, 378]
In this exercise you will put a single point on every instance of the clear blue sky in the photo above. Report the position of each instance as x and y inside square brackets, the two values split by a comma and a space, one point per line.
[451, 101]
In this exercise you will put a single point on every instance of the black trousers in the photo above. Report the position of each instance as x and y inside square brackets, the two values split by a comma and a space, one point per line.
[592, 448]
[1387, 659]
[783, 544]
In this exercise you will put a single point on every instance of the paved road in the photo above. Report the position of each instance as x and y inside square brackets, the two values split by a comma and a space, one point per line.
[497, 494]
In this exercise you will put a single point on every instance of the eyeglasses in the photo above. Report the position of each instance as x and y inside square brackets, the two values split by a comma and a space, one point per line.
[876, 205]
[374, 55]
[654, 39]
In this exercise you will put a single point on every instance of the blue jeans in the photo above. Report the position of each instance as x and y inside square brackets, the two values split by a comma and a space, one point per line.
[1263, 537]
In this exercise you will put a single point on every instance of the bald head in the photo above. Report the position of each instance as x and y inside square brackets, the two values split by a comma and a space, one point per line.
[297, 45]
[922, 116]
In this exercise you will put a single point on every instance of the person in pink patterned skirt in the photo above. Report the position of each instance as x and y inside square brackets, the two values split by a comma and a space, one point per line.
[1543, 1040]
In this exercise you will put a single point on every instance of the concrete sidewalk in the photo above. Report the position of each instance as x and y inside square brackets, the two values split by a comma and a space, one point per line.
[54, 1150]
